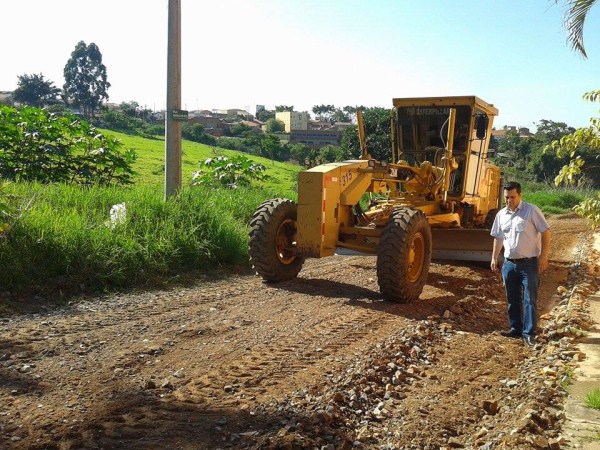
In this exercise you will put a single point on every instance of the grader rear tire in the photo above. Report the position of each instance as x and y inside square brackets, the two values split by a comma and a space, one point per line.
[404, 255]
[272, 245]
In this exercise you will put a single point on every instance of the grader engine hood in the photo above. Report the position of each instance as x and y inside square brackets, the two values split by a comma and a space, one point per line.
[326, 195]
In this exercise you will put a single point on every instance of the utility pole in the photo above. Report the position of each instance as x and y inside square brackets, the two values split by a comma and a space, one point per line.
[174, 115]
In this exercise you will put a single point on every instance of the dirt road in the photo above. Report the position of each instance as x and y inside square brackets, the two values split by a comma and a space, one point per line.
[318, 362]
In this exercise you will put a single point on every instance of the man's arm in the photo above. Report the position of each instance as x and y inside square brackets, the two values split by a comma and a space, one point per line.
[546, 238]
[495, 253]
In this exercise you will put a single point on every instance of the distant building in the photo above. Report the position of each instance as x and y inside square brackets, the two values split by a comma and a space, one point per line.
[522, 132]
[254, 124]
[318, 125]
[234, 113]
[342, 125]
[158, 116]
[293, 120]
[315, 138]
[212, 125]
[231, 114]
[112, 106]
[221, 113]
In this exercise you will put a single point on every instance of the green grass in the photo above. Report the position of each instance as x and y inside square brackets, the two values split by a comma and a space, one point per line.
[151, 156]
[592, 399]
[553, 200]
[65, 239]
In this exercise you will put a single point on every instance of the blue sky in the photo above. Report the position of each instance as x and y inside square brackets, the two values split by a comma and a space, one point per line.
[511, 53]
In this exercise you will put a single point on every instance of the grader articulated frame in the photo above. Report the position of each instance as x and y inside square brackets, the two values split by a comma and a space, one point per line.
[436, 197]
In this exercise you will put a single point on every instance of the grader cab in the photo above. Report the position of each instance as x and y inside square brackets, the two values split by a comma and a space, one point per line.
[436, 197]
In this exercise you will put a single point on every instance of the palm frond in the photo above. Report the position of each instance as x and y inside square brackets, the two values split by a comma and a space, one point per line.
[592, 96]
[574, 21]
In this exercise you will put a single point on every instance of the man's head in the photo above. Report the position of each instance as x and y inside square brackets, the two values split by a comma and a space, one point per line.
[512, 194]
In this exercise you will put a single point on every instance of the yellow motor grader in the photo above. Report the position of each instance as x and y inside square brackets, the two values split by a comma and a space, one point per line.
[436, 197]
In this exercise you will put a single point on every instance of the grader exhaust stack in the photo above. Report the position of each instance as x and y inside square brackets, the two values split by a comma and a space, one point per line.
[436, 199]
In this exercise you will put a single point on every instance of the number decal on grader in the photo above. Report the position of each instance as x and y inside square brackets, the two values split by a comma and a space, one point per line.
[346, 178]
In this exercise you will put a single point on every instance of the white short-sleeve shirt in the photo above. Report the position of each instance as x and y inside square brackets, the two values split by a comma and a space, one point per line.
[520, 230]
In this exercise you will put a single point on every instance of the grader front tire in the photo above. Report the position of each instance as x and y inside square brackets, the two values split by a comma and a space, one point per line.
[272, 245]
[404, 255]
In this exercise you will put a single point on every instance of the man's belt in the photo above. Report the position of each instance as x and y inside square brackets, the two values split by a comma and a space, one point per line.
[521, 259]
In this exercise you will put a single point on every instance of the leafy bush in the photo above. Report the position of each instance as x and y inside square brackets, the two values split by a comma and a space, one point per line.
[240, 129]
[156, 130]
[36, 145]
[231, 143]
[275, 126]
[121, 121]
[196, 133]
[230, 172]
[590, 209]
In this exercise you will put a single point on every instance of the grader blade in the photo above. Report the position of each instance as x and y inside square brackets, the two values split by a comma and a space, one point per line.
[462, 244]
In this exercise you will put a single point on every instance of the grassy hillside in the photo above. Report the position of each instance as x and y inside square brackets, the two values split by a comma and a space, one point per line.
[65, 241]
[151, 156]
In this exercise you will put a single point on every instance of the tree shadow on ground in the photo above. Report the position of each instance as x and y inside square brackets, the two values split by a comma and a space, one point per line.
[17, 382]
[143, 420]
[14, 371]
[56, 296]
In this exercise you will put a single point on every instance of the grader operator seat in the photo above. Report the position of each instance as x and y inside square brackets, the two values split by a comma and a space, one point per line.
[423, 135]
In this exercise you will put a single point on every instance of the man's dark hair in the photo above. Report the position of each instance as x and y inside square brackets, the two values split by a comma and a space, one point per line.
[512, 185]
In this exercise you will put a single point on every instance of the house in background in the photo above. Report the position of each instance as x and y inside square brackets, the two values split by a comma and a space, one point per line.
[256, 125]
[522, 132]
[293, 120]
[499, 135]
[232, 113]
[315, 138]
[212, 125]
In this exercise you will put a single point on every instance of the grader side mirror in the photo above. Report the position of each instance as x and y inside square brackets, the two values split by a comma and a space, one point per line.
[481, 123]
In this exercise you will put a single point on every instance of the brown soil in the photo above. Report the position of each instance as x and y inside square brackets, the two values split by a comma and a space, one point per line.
[317, 362]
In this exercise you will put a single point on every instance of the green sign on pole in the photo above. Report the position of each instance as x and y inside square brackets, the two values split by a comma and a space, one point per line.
[179, 115]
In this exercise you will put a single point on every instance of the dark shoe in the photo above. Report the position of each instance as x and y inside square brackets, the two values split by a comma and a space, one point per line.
[529, 341]
[512, 333]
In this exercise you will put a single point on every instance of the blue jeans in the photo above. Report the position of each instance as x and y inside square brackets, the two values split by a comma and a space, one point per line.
[522, 280]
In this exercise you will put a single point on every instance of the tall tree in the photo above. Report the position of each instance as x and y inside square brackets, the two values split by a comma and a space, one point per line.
[378, 135]
[340, 115]
[574, 21]
[323, 112]
[545, 166]
[265, 115]
[281, 108]
[86, 82]
[34, 90]
[130, 108]
[275, 126]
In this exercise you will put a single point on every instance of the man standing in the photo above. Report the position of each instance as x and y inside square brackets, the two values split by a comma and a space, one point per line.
[523, 231]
